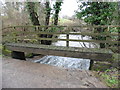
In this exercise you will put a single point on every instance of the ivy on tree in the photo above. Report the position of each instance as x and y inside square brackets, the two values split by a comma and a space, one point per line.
[31, 7]
[32, 13]
[57, 10]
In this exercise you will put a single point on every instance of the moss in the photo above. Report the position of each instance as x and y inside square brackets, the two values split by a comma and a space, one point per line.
[5, 51]
[29, 55]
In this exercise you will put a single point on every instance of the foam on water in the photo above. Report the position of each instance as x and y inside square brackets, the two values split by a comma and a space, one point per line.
[66, 62]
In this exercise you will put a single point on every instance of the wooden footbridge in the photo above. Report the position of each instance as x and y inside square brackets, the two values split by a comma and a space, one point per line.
[20, 39]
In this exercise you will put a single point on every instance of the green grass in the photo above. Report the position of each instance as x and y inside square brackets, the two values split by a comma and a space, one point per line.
[110, 78]
[64, 21]
[107, 72]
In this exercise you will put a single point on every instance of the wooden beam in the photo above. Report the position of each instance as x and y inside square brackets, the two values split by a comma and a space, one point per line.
[61, 52]
[65, 26]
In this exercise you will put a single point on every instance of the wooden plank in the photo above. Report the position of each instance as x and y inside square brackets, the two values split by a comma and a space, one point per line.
[70, 33]
[57, 39]
[97, 55]
[66, 26]
[61, 47]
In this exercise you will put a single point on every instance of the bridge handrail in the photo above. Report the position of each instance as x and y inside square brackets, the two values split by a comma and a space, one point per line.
[68, 33]
[65, 32]
[92, 26]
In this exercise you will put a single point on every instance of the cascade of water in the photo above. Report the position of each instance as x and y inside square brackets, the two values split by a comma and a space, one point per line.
[66, 62]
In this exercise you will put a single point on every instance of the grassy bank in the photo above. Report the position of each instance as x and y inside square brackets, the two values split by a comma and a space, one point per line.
[108, 74]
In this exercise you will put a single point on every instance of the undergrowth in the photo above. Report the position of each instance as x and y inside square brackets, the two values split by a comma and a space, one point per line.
[108, 74]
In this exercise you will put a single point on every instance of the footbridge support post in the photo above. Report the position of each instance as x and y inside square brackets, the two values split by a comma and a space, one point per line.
[91, 64]
[18, 55]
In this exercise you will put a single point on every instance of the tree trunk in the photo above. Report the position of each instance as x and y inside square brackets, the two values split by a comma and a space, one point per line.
[48, 10]
[32, 13]
[100, 30]
[35, 20]
[57, 10]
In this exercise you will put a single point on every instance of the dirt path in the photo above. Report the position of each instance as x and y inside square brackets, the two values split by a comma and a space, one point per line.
[24, 74]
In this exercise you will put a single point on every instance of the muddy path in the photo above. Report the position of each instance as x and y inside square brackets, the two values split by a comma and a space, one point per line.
[24, 74]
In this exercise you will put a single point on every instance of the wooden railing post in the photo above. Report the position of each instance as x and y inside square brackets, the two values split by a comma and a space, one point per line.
[67, 37]
[67, 42]
[14, 35]
[107, 38]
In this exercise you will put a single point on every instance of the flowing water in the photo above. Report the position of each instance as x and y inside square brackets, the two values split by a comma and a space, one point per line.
[76, 44]
[67, 62]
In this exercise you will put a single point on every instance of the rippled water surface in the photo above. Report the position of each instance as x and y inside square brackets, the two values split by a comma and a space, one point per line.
[66, 62]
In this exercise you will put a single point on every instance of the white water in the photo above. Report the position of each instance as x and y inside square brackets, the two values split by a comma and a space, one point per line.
[67, 62]
[76, 44]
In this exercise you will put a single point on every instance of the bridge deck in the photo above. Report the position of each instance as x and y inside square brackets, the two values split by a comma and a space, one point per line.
[94, 54]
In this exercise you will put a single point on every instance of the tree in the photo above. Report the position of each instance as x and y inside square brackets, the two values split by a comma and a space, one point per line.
[97, 13]
[57, 10]
[31, 7]
[48, 10]
[32, 13]
[15, 12]
[47, 19]
[35, 20]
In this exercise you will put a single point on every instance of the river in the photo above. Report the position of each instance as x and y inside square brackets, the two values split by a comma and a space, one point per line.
[67, 62]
